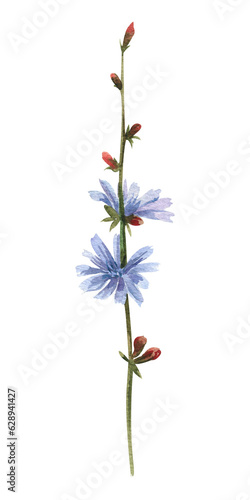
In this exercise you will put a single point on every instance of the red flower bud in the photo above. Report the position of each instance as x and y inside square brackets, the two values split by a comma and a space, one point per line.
[130, 31]
[109, 160]
[116, 80]
[134, 129]
[150, 354]
[139, 344]
[136, 221]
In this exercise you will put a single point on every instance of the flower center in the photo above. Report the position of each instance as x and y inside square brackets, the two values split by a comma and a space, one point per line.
[117, 273]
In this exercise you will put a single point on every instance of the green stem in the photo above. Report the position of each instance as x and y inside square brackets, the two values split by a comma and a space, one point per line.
[120, 185]
[129, 389]
[123, 254]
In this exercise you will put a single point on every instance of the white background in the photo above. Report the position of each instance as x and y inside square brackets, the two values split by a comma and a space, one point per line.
[195, 123]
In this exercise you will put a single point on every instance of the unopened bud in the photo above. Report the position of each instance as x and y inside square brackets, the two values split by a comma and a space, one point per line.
[136, 221]
[134, 129]
[139, 344]
[116, 80]
[150, 354]
[109, 160]
[130, 31]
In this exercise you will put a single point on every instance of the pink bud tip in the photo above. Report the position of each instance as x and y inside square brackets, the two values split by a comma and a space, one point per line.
[130, 31]
[109, 160]
[136, 221]
[154, 352]
[139, 344]
[134, 129]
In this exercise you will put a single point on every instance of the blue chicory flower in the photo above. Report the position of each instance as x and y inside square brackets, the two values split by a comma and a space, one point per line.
[110, 277]
[150, 205]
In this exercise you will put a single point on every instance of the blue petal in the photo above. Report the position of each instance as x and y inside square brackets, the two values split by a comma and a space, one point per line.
[132, 202]
[131, 207]
[116, 245]
[133, 193]
[149, 197]
[94, 283]
[98, 196]
[133, 290]
[93, 258]
[108, 289]
[158, 205]
[138, 256]
[139, 280]
[121, 292]
[133, 190]
[83, 270]
[103, 252]
[146, 268]
[151, 214]
[113, 199]
[125, 191]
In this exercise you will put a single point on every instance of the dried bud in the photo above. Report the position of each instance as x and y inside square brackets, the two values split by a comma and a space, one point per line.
[134, 129]
[130, 31]
[139, 344]
[110, 161]
[136, 221]
[150, 354]
[116, 80]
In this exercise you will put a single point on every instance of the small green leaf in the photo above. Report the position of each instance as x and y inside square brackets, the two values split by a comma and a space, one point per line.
[123, 50]
[113, 169]
[111, 211]
[129, 229]
[131, 363]
[108, 219]
[123, 356]
[114, 224]
[135, 137]
[135, 369]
